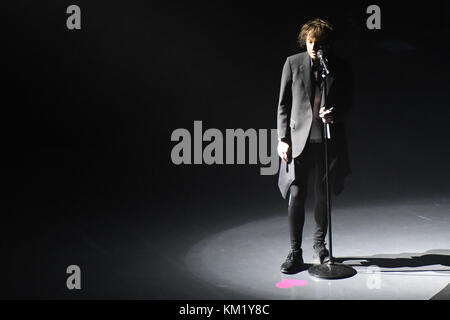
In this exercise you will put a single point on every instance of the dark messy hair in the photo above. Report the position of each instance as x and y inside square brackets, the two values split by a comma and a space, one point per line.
[319, 29]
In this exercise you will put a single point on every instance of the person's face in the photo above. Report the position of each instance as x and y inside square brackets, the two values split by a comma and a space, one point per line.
[313, 45]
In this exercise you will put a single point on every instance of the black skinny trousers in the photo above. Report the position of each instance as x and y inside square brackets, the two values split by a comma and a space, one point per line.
[310, 161]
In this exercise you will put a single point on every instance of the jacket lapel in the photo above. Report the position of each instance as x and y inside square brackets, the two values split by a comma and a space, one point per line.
[305, 70]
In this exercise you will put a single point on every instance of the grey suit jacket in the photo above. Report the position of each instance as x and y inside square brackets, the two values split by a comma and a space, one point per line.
[295, 113]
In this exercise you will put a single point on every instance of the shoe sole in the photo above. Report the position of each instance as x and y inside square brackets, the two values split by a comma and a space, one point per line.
[293, 271]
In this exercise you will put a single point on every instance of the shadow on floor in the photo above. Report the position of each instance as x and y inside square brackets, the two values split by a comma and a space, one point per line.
[444, 294]
[410, 260]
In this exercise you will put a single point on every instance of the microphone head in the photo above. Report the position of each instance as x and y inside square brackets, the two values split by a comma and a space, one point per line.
[320, 53]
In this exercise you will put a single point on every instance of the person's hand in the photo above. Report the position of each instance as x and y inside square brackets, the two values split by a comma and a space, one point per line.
[283, 150]
[326, 115]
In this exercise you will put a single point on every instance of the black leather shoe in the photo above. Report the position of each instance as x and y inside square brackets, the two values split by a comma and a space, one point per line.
[293, 263]
[320, 252]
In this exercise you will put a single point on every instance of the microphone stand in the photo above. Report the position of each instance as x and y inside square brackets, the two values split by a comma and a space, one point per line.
[330, 269]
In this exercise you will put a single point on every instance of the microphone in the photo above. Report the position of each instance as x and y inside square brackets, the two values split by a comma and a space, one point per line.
[325, 72]
[323, 62]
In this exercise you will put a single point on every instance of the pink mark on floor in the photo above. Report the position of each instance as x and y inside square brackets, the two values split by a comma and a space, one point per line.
[289, 283]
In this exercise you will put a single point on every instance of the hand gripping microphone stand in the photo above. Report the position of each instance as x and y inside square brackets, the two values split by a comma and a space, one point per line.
[330, 269]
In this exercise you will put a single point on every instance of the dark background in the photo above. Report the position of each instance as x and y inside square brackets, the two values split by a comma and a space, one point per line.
[88, 115]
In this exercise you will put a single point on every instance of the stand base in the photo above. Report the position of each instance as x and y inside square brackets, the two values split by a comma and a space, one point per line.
[331, 271]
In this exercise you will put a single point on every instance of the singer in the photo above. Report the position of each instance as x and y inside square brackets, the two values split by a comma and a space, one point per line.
[307, 102]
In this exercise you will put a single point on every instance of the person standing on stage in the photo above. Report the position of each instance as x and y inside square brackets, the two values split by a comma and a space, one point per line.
[303, 109]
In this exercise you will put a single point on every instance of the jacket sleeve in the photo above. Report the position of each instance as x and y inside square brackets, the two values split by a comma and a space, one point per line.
[285, 102]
